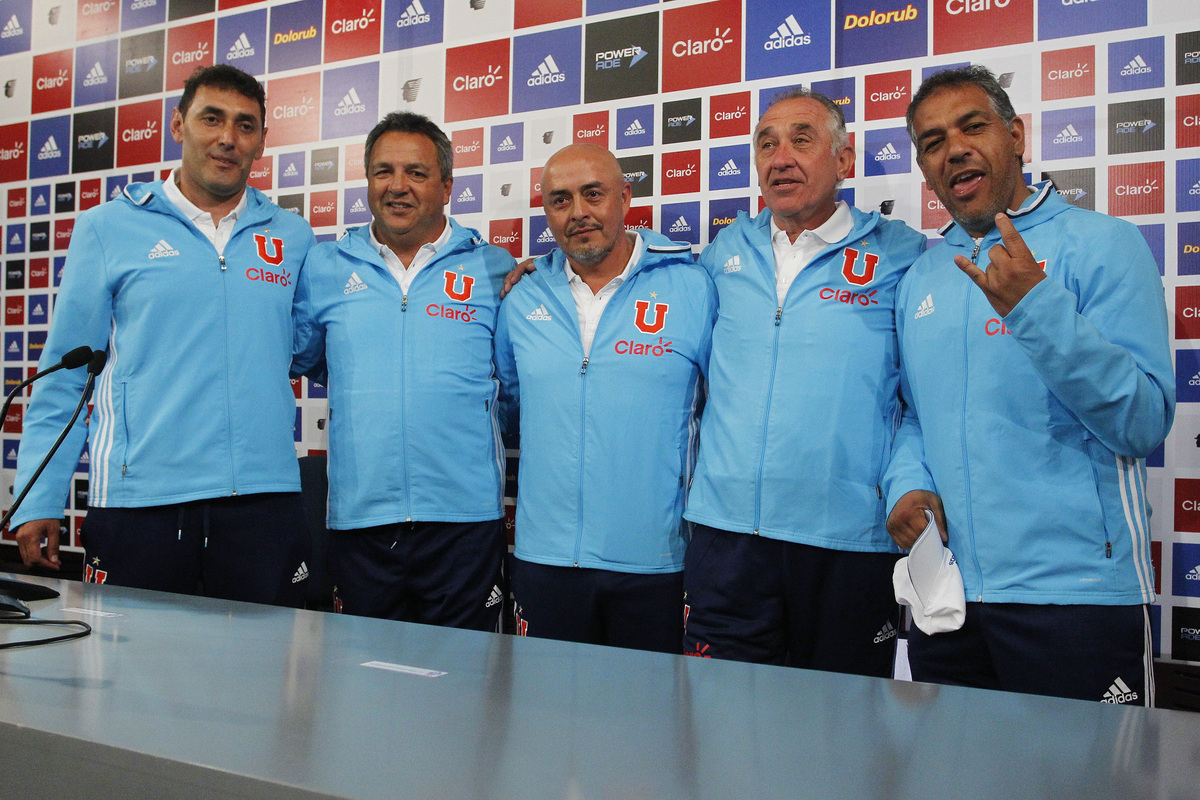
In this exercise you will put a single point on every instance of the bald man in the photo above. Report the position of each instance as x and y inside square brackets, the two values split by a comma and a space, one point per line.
[601, 354]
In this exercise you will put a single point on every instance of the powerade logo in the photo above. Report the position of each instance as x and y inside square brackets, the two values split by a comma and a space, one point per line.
[729, 167]
[1061, 18]
[681, 120]
[548, 65]
[1138, 64]
[141, 64]
[888, 152]
[90, 140]
[1187, 58]
[635, 127]
[1069, 133]
[621, 58]
[1185, 643]
[412, 23]
[1077, 186]
[1136, 127]
[639, 173]
[616, 59]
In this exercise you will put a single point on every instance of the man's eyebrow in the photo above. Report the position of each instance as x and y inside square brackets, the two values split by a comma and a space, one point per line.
[958, 123]
[794, 127]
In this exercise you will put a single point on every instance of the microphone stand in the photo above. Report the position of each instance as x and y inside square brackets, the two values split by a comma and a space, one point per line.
[95, 365]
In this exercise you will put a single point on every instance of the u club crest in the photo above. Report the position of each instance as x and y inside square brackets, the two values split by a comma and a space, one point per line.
[453, 282]
[644, 321]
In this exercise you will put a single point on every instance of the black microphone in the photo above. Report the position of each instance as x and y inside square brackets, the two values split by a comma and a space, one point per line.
[72, 359]
[95, 359]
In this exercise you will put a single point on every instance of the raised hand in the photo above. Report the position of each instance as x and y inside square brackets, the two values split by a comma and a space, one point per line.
[1011, 273]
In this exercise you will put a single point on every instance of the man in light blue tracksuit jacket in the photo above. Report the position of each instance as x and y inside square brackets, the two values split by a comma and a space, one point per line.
[188, 284]
[603, 349]
[397, 319]
[1034, 391]
[790, 562]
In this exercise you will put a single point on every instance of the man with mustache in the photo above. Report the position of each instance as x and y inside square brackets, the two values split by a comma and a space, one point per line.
[397, 319]
[1037, 377]
[188, 284]
[601, 351]
[790, 562]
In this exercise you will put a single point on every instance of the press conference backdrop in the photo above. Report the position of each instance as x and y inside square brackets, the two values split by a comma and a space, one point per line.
[1109, 89]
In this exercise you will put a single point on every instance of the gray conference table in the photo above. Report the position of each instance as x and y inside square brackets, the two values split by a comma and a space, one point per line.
[179, 697]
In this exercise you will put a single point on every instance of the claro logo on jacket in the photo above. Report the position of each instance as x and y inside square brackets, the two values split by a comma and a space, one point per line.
[270, 250]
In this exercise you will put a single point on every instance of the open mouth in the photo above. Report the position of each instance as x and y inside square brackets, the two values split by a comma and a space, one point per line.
[965, 183]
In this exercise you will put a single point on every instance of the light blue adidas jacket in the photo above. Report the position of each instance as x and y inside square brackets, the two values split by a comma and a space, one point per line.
[802, 397]
[413, 432]
[607, 442]
[1033, 428]
[194, 401]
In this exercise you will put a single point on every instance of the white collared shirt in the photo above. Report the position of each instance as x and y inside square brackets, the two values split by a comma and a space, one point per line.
[218, 234]
[404, 276]
[791, 257]
[589, 307]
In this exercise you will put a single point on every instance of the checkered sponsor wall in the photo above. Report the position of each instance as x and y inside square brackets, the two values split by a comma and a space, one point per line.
[1109, 89]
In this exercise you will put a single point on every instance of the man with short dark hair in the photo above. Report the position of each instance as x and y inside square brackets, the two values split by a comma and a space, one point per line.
[397, 319]
[603, 350]
[789, 561]
[1037, 377]
[188, 284]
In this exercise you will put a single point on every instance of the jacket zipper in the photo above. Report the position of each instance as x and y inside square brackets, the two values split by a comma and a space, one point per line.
[963, 434]
[228, 395]
[762, 453]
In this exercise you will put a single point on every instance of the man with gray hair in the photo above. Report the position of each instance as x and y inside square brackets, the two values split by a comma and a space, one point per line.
[789, 561]
[1037, 378]
[398, 318]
